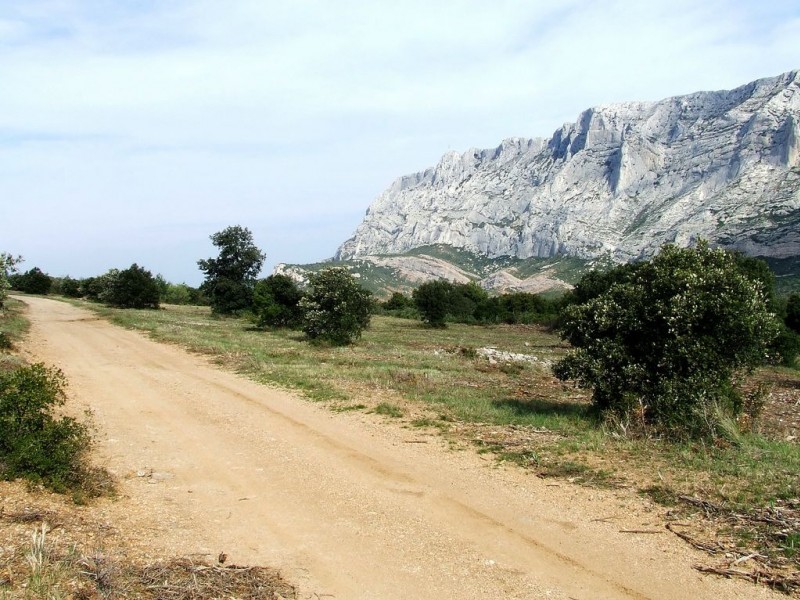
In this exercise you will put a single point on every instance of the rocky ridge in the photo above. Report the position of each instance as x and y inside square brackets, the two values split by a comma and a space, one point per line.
[618, 183]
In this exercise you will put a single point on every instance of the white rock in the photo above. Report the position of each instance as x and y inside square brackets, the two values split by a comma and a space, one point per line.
[620, 182]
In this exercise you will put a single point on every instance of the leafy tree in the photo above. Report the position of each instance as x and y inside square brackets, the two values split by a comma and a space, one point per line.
[93, 287]
[276, 302]
[231, 277]
[8, 264]
[33, 281]
[135, 287]
[398, 301]
[792, 319]
[523, 307]
[662, 340]
[432, 300]
[335, 309]
[466, 302]
[69, 287]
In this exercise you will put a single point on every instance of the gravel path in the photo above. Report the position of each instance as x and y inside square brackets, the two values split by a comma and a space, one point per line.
[346, 505]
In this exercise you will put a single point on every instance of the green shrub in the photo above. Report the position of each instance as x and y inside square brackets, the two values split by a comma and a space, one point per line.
[135, 287]
[97, 288]
[34, 443]
[792, 319]
[276, 301]
[33, 281]
[397, 301]
[661, 341]
[8, 265]
[71, 288]
[335, 309]
[432, 300]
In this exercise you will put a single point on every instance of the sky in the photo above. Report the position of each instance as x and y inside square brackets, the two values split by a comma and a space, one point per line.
[130, 131]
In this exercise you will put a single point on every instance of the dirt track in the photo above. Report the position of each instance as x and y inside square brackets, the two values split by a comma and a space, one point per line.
[347, 506]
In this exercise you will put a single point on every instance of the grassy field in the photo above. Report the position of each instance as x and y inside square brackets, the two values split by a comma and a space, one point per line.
[442, 381]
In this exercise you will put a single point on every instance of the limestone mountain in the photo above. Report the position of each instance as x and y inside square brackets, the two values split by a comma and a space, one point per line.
[617, 184]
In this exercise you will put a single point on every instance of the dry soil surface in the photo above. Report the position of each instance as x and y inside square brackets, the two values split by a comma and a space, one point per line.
[347, 505]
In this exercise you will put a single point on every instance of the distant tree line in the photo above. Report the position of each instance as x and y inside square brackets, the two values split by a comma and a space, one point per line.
[134, 287]
[440, 302]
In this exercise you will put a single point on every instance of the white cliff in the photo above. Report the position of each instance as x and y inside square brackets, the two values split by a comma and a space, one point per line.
[620, 182]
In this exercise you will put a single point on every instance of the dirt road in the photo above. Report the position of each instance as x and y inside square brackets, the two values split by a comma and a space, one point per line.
[346, 505]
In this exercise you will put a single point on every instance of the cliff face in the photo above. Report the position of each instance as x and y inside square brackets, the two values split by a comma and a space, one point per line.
[620, 182]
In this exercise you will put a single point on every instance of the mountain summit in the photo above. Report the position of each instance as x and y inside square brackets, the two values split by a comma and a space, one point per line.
[620, 182]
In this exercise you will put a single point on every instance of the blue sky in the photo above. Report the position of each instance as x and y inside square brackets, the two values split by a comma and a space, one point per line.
[132, 130]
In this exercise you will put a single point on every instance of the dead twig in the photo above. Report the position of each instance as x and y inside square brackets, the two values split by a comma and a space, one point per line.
[641, 531]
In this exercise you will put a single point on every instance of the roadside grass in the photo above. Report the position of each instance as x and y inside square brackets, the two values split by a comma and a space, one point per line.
[13, 326]
[435, 380]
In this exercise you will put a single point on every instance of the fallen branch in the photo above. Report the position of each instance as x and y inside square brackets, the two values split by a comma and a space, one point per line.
[641, 531]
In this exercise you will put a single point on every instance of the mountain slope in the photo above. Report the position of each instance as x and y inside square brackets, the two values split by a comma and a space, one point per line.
[618, 183]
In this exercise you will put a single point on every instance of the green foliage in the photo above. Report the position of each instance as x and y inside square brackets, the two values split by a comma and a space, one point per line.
[441, 301]
[792, 319]
[180, 293]
[335, 309]
[523, 307]
[33, 281]
[398, 301]
[432, 300]
[8, 264]
[660, 342]
[34, 443]
[98, 288]
[786, 347]
[231, 277]
[276, 302]
[67, 286]
[135, 287]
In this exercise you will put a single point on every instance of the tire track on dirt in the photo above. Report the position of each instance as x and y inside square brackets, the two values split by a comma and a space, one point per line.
[338, 501]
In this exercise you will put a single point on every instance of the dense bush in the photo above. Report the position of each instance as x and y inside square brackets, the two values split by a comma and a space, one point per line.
[33, 281]
[97, 288]
[276, 302]
[441, 301]
[432, 300]
[180, 293]
[7, 268]
[397, 301]
[660, 341]
[135, 287]
[792, 319]
[231, 277]
[527, 308]
[34, 443]
[335, 309]
[67, 286]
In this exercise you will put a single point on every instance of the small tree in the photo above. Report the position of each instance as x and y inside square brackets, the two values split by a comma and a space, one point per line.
[335, 308]
[432, 300]
[231, 277]
[8, 264]
[135, 287]
[398, 301]
[69, 287]
[276, 302]
[792, 319]
[661, 341]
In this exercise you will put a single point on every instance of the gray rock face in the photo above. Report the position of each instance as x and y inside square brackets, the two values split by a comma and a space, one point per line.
[620, 182]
